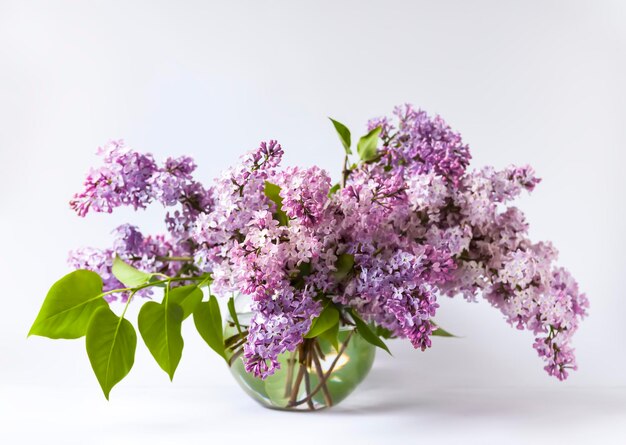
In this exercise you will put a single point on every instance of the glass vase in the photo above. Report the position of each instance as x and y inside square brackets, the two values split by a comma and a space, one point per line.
[314, 376]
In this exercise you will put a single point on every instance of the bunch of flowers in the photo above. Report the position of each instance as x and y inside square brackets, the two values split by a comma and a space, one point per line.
[407, 225]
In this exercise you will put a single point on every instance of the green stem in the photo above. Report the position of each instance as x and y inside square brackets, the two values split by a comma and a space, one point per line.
[318, 368]
[152, 283]
[296, 387]
[344, 345]
[307, 386]
[291, 363]
[345, 171]
[233, 339]
[130, 297]
[235, 356]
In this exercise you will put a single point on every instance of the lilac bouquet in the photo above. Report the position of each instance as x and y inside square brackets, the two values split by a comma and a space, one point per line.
[406, 225]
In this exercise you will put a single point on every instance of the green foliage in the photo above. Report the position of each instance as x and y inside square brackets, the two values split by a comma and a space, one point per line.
[272, 191]
[367, 145]
[233, 313]
[160, 327]
[326, 320]
[69, 305]
[344, 135]
[384, 332]
[304, 270]
[187, 297]
[334, 189]
[208, 320]
[128, 275]
[75, 307]
[331, 335]
[442, 333]
[367, 333]
[344, 265]
[275, 385]
[111, 342]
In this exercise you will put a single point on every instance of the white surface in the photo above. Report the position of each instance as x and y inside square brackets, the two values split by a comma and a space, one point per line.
[379, 412]
[526, 82]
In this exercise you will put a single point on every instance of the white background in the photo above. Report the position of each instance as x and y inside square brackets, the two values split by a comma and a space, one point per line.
[527, 82]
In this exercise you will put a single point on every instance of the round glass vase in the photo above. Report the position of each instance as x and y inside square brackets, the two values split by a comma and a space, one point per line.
[313, 377]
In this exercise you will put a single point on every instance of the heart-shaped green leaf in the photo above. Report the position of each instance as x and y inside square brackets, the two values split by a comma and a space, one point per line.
[187, 297]
[160, 327]
[128, 275]
[69, 305]
[367, 145]
[208, 320]
[344, 135]
[326, 320]
[111, 342]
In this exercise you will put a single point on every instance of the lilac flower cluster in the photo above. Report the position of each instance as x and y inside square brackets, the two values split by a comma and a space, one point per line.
[130, 178]
[422, 144]
[417, 225]
[407, 227]
[148, 253]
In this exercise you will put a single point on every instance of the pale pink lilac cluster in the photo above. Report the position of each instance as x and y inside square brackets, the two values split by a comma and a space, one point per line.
[414, 223]
[250, 253]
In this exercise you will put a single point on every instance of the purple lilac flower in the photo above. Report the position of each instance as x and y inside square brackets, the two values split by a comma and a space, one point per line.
[423, 144]
[418, 224]
[169, 181]
[304, 194]
[122, 180]
[131, 178]
[98, 261]
[278, 326]
[144, 253]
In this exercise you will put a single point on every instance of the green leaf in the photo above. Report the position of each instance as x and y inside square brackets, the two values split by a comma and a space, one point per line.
[344, 265]
[331, 335]
[384, 332]
[442, 333]
[69, 305]
[208, 320]
[272, 191]
[344, 134]
[366, 332]
[128, 275]
[334, 189]
[367, 145]
[111, 342]
[187, 297]
[325, 320]
[233, 313]
[275, 384]
[160, 327]
[304, 270]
